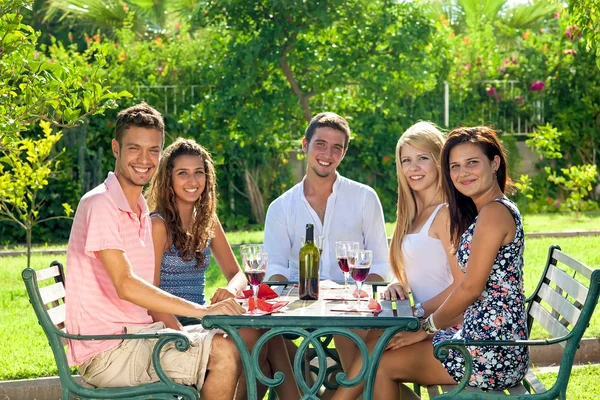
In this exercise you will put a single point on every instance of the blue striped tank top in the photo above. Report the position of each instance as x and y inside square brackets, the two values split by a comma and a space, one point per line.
[182, 278]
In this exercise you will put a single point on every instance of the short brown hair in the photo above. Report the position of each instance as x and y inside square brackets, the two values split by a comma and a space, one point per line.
[328, 120]
[142, 116]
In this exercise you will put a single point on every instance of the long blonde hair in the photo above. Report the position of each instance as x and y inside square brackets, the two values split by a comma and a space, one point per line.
[426, 137]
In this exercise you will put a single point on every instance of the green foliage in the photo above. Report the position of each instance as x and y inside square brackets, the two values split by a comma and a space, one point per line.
[586, 15]
[545, 141]
[35, 87]
[49, 85]
[577, 181]
[25, 171]
[524, 191]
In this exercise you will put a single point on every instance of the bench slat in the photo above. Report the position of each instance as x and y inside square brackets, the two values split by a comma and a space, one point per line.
[433, 391]
[518, 389]
[58, 314]
[572, 263]
[52, 293]
[559, 303]
[534, 382]
[568, 284]
[551, 324]
[47, 273]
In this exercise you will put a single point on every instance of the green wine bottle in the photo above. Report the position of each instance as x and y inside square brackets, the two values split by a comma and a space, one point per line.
[309, 262]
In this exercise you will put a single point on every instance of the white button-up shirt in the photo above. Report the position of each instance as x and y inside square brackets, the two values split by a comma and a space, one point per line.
[353, 213]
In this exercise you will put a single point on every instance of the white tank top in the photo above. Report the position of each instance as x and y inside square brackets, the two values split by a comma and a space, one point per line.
[425, 262]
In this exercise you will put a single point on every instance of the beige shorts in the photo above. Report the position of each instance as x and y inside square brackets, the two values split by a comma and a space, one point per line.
[130, 363]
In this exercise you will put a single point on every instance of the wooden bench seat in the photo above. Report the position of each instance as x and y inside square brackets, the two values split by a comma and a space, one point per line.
[562, 303]
[48, 301]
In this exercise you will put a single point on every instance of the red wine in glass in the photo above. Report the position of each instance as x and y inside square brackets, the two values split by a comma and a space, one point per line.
[255, 276]
[359, 274]
[343, 264]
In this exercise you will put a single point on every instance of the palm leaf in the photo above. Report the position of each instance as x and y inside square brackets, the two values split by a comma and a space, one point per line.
[530, 16]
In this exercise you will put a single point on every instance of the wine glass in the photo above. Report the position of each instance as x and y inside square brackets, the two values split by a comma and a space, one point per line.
[359, 263]
[341, 254]
[254, 260]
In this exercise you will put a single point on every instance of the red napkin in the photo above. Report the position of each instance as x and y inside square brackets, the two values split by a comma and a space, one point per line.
[375, 306]
[264, 292]
[265, 306]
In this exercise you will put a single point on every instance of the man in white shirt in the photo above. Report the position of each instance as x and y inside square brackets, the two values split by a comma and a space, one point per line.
[340, 209]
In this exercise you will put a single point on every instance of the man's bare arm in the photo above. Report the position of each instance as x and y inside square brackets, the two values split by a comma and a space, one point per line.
[132, 288]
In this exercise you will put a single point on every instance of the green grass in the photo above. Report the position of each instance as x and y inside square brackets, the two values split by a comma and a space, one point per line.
[582, 382]
[548, 222]
[533, 223]
[24, 352]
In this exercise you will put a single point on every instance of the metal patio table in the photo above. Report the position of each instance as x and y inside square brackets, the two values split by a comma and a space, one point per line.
[312, 320]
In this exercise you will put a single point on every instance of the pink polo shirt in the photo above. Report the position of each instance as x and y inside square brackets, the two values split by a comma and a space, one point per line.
[104, 220]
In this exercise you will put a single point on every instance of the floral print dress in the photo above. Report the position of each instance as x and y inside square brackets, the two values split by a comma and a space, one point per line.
[497, 314]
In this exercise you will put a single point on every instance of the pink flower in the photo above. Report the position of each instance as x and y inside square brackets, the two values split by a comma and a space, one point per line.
[556, 15]
[570, 51]
[36, 54]
[468, 66]
[557, 204]
[537, 86]
[570, 32]
[491, 91]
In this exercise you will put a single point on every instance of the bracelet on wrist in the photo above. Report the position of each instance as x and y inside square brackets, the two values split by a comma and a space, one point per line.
[429, 325]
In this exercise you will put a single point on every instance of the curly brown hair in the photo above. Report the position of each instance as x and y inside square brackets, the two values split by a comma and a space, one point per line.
[161, 199]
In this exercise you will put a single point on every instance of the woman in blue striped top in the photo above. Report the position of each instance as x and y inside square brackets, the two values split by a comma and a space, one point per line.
[185, 231]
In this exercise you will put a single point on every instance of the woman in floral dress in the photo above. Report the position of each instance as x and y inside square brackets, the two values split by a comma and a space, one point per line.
[479, 208]
[487, 236]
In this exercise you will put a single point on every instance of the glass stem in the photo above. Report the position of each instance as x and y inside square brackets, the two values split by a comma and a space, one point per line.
[358, 288]
[345, 284]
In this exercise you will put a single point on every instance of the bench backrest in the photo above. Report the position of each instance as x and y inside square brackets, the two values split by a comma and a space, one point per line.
[564, 301]
[46, 291]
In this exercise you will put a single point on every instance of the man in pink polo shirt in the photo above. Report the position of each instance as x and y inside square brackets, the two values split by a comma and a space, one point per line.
[110, 270]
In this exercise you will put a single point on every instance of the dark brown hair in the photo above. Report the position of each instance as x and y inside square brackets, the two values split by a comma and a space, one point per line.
[462, 208]
[142, 116]
[328, 120]
[161, 199]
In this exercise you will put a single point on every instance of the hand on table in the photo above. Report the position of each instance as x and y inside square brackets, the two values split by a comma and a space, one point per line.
[226, 307]
[222, 293]
[405, 338]
[394, 292]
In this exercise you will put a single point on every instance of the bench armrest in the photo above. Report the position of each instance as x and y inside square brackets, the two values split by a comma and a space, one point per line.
[182, 343]
[440, 350]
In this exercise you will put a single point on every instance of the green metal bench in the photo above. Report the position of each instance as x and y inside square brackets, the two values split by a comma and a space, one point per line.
[563, 306]
[49, 305]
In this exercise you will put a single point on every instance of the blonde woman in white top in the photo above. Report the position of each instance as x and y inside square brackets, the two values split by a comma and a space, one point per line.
[420, 252]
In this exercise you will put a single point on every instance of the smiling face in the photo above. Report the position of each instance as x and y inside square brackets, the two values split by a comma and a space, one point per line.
[419, 168]
[325, 151]
[471, 171]
[137, 157]
[188, 178]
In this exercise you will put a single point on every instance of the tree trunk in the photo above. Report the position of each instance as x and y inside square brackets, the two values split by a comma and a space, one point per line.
[257, 201]
[29, 229]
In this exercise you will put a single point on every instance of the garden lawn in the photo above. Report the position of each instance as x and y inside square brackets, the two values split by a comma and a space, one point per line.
[533, 223]
[24, 351]
[555, 222]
